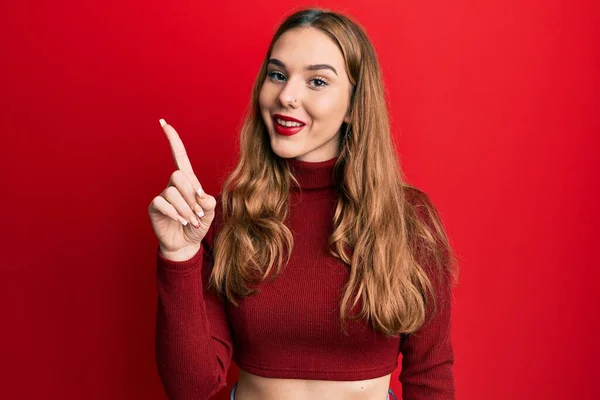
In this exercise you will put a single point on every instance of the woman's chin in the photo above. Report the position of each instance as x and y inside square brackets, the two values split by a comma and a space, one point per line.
[285, 152]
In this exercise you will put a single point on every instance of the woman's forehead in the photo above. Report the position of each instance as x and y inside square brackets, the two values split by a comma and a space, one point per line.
[299, 48]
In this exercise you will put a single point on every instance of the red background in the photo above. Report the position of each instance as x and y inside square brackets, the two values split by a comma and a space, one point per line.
[495, 108]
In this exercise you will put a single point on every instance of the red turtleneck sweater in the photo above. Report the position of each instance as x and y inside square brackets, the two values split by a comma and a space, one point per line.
[290, 329]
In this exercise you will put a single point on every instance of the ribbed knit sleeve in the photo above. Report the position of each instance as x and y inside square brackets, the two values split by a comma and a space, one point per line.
[427, 355]
[193, 337]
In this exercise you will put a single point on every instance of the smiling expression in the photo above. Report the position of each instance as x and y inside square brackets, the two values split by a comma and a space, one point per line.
[308, 66]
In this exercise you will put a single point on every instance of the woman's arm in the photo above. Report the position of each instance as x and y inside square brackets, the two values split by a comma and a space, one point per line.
[193, 337]
[427, 356]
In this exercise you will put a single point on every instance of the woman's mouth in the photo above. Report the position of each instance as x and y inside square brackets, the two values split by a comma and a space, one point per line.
[286, 128]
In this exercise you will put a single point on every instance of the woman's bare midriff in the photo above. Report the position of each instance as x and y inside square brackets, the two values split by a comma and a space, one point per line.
[254, 387]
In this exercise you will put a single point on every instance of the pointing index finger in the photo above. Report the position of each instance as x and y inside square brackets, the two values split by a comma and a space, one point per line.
[179, 153]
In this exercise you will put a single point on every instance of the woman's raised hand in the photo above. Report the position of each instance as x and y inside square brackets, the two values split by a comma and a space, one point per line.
[181, 215]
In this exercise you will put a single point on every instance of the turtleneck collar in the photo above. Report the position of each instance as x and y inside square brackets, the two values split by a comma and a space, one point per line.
[312, 175]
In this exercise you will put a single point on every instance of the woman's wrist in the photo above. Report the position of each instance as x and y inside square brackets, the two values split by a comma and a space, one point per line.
[181, 255]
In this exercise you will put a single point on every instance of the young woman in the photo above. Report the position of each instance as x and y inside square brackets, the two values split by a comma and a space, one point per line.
[316, 264]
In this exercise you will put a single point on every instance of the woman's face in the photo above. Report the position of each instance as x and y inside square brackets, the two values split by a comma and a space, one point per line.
[322, 95]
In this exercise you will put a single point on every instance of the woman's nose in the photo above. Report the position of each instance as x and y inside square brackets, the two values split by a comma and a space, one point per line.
[290, 94]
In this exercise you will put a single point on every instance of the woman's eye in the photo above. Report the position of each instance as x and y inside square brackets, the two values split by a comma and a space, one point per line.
[278, 76]
[323, 83]
[272, 74]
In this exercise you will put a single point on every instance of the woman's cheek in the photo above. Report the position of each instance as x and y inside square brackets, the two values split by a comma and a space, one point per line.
[326, 103]
[267, 95]
[261, 98]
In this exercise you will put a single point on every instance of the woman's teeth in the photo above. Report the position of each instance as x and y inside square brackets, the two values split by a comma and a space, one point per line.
[287, 123]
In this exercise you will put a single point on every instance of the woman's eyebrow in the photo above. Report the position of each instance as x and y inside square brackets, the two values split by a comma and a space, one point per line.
[313, 67]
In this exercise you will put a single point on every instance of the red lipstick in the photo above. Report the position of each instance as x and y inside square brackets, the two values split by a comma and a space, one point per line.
[286, 130]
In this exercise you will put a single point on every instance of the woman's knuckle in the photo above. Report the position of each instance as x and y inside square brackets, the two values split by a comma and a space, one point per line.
[171, 191]
[212, 202]
[176, 177]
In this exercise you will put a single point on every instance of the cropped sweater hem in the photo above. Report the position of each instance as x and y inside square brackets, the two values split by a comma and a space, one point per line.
[326, 375]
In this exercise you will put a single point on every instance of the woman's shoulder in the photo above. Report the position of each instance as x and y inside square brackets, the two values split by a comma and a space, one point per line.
[417, 198]
[430, 236]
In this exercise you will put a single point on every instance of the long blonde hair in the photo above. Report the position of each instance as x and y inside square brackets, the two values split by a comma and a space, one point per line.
[387, 232]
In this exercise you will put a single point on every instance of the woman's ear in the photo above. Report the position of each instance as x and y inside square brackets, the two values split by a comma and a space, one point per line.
[348, 116]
